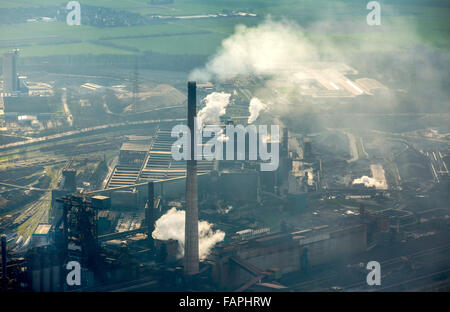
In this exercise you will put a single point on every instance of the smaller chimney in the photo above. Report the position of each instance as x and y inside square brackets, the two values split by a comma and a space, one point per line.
[4, 278]
[285, 146]
[151, 212]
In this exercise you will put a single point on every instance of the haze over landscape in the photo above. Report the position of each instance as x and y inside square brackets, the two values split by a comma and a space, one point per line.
[87, 174]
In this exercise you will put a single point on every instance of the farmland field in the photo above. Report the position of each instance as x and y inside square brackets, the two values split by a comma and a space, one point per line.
[404, 24]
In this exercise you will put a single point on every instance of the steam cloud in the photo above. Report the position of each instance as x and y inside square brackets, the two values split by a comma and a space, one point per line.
[255, 107]
[171, 226]
[370, 182]
[215, 107]
[261, 50]
[282, 53]
[271, 50]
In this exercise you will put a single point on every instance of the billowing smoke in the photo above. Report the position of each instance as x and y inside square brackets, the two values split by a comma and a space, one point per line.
[171, 226]
[255, 107]
[371, 182]
[215, 106]
[222, 137]
[273, 50]
[262, 50]
[286, 55]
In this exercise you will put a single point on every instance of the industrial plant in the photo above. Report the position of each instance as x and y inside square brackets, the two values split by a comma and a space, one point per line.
[160, 224]
[261, 155]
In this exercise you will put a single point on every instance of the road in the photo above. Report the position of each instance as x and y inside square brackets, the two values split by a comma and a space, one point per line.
[111, 167]
[352, 147]
[66, 107]
[84, 132]
[33, 214]
[408, 136]
[24, 187]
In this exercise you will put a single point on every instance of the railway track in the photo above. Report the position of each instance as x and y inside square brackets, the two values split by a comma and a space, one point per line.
[417, 283]
[388, 267]
[84, 132]
[396, 265]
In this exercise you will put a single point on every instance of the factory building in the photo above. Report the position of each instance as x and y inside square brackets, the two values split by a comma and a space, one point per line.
[132, 154]
[109, 232]
[9, 66]
[12, 82]
[91, 88]
[69, 180]
[247, 263]
[239, 185]
[41, 236]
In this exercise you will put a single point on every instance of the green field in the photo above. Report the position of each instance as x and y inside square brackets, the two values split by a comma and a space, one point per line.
[404, 24]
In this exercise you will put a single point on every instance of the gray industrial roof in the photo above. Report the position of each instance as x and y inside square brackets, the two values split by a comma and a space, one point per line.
[136, 147]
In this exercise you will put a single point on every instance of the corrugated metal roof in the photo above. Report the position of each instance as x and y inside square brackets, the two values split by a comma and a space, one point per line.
[42, 229]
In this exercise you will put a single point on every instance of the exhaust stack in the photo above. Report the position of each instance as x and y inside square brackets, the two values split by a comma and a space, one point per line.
[191, 223]
[151, 212]
[4, 276]
[285, 147]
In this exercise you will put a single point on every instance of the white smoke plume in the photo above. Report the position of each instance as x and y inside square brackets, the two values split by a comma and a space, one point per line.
[255, 107]
[171, 226]
[222, 137]
[262, 50]
[370, 182]
[215, 106]
[273, 50]
[285, 55]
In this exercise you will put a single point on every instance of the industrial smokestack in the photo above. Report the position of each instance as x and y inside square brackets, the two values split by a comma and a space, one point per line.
[70, 180]
[151, 212]
[285, 147]
[191, 222]
[4, 278]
